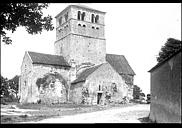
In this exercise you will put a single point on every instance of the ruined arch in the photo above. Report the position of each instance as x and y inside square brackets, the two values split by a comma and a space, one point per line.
[53, 88]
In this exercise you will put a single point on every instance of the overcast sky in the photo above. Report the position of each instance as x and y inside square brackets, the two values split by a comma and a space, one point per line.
[136, 31]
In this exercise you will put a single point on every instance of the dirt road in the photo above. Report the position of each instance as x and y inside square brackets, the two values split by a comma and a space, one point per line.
[117, 115]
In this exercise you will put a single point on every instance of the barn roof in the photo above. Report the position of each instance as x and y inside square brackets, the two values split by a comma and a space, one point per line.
[48, 59]
[120, 64]
[83, 75]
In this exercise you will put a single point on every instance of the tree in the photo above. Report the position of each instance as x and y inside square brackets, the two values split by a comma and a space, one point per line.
[4, 87]
[14, 83]
[170, 47]
[136, 92]
[142, 94]
[29, 15]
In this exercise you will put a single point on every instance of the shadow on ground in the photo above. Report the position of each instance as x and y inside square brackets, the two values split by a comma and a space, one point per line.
[145, 120]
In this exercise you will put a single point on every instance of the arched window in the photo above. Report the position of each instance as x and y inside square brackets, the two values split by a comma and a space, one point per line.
[60, 20]
[66, 16]
[96, 19]
[78, 16]
[83, 16]
[92, 18]
[99, 88]
[84, 26]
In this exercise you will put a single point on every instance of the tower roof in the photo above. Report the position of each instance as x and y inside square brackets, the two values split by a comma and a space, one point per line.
[80, 6]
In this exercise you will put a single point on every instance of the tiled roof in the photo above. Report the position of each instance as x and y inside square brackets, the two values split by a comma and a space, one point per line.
[48, 59]
[85, 74]
[119, 63]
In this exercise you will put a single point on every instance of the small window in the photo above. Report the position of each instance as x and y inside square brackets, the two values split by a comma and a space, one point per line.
[79, 24]
[99, 88]
[78, 16]
[60, 20]
[59, 30]
[25, 67]
[97, 28]
[93, 27]
[66, 16]
[96, 19]
[92, 18]
[84, 26]
[83, 16]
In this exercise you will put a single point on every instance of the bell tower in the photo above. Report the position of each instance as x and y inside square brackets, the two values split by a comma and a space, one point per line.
[80, 35]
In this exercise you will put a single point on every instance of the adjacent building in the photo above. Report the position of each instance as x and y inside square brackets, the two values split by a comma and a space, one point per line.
[166, 89]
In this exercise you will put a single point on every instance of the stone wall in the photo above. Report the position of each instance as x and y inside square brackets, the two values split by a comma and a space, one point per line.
[82, 41]
[29, 92]
[103, 80]
[166, 91]
[129, 81]
[84, 50]
[25, 78]
[40, 70]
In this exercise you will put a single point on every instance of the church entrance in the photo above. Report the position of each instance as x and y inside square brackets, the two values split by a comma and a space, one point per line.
[99, 95]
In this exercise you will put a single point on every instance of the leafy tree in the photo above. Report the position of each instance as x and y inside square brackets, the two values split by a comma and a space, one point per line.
[4, 87]
[170, 47]
[136, 92]
[13, 83]
[142, 94]
[29, 15]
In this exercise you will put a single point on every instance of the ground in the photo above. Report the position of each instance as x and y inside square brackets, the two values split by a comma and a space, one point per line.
[70, 113]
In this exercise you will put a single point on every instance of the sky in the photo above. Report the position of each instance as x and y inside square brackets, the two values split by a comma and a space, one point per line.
[135, 30]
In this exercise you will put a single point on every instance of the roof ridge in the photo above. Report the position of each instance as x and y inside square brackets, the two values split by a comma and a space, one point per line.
[84, 74]
[42, 53]
[50, 59]
[114, 54]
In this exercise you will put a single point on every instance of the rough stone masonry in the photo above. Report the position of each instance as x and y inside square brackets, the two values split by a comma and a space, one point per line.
[80, 71]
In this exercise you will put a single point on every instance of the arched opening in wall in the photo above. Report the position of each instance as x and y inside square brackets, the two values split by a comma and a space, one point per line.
[60, 20]
[83, 16]
[79, 24]
[92, 18]
[25, 67]
[84, 25]
[66, 16]
[96, 19]
[99, 88]
[93, 27]
[78, 16]
[97, 28]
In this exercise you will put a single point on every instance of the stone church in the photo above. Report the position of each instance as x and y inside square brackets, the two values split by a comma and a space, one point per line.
[80, 71]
